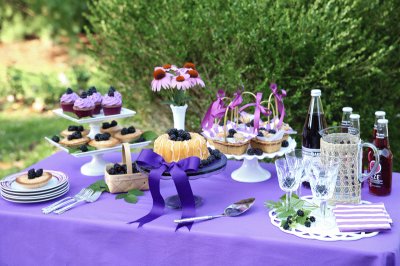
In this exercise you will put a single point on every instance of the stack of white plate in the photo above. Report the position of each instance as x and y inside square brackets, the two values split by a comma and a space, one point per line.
[12, 191]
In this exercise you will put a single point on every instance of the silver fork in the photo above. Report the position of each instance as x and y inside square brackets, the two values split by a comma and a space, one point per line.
[86, 192]
[91, 198]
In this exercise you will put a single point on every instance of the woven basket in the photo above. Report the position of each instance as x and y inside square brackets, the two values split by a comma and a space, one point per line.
[128, 181]
[348, 188]
[266, 146]
[231, 148]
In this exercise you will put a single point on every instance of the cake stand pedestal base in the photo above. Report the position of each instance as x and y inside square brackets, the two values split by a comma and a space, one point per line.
[95, 167]
[250, 172]
[173, 202]
[94, 129]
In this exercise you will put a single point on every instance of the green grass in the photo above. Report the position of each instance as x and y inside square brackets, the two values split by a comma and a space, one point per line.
[23, 143]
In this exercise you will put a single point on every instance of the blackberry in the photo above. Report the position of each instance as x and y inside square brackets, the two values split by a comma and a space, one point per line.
[312, 219]
[72, 128]
[89, 92]
[250, 151]
[272, 131]
[112, 89]
[342, 142]
[108, 135]
[131, 129]
[39, 172]
[70, 91]
[83, 148]
[172, 131]
[124, 131]
[348, 142]
[97, 137]
[211, 158]
[187, 136]
[285, 144]
[105, 125]
[84, 95]
[111, 93]
[70, 137]
[230, 136]
[204, 162]
[232, 131]
[258, 152]
[31, 173]
[217, 154]
[172, 137]
[262, 129]
[76, 135]
[307, 224]
[179, 139]
[286, 226]
[181, 133]
[210, 150]
[140, 139]
[113, 123]
[300, 213]
[124, 169]
[111, 171]
[117, 167]
[250, 124]
[260, 134]
[93, 89]
[55, 139]
[80, 128]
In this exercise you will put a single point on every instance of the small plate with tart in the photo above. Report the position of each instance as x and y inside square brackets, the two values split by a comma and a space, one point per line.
[74, 140]
[128, 134]
[103, 141]
[71, 129]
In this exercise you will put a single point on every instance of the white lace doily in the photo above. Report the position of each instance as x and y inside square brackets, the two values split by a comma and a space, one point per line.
[318, 233]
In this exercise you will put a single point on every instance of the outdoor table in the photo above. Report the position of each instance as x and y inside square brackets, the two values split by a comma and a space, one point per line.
[98, 233]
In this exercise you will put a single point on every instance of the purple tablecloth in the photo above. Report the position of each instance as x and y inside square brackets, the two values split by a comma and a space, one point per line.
[97, 233]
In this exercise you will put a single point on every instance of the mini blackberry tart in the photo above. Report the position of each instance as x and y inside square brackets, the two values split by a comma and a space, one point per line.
[67, 100]
[76, 139]
[103, 141]
[83, 106]
[231, 143]
[128, 134]
[34, 179]
[110, 127]
[71, 129]
[261, 141]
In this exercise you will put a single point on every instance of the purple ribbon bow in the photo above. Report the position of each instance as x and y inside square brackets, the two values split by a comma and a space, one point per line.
[259, 109]
[149, 159]
[237, 99]
[216, 110]
[279, 97]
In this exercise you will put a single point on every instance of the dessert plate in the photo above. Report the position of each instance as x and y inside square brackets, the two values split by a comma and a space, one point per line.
[58, 188]
[35, 197]
[10, 185]
[30, 200]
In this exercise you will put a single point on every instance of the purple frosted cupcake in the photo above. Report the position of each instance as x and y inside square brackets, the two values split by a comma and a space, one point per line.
[67, 100]
[97, 98]
[111, 103]
[83, 106]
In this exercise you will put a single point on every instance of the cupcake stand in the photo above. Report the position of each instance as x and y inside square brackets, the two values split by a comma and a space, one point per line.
[97, 165]
[250, 171]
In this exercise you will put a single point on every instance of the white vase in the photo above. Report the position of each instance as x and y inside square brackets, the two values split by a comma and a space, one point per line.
[179, 113]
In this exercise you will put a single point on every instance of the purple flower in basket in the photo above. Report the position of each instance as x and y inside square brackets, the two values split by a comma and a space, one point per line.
[162, 80]
[181, 82]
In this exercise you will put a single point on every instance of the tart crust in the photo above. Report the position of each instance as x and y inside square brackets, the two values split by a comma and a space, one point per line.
[66, 133]
[37, 182]
[75, 142]
[128, 137]
[104, 143]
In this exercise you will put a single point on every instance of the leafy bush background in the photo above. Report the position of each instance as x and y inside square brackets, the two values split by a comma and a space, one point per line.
[348, 48]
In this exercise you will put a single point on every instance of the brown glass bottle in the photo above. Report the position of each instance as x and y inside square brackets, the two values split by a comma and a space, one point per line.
[380, 183]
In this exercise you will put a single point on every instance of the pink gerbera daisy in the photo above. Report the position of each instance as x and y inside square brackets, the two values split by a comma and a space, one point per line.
[195, 78]
[161, 79]
[181, 82]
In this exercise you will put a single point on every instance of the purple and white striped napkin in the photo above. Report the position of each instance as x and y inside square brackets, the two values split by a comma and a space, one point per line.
[362, 217]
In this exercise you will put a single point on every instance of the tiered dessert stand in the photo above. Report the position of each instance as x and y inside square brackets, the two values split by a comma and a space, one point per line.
[250, 171]
[97, 165]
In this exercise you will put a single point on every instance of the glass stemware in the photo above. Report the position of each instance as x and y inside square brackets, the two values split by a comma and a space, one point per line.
[295, 160]
[322, 178]
[288, 178]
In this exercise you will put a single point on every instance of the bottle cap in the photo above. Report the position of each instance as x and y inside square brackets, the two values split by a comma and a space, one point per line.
[380, 113]
[383, 121]
[347, 109]
[354, 116]
[315, 92]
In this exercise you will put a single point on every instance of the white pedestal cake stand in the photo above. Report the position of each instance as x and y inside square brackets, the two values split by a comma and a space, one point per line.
[97, 165]
[251, 171]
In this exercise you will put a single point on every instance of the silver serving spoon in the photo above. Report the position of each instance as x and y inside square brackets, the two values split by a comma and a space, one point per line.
[233, 210]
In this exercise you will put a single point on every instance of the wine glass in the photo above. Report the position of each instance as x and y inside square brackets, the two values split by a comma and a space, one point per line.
[323, 174]
[288, 178]
[295, 160]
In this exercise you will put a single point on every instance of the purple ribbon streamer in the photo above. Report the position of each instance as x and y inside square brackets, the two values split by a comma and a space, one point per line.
[237, 99]
[259, 109]
[216, 110]
[279, 97]
[158, 166]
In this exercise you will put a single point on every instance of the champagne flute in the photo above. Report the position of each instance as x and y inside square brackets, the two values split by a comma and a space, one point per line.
[288, 178]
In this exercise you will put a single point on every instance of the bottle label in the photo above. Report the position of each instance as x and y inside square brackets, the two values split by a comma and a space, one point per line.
[376, 179]
[346, 123]
[311, 152]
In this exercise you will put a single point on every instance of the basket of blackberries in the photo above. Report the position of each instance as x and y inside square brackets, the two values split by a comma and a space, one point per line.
[125, 176]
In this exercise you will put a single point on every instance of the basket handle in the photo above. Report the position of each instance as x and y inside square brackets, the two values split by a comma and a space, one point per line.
[127, 157]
